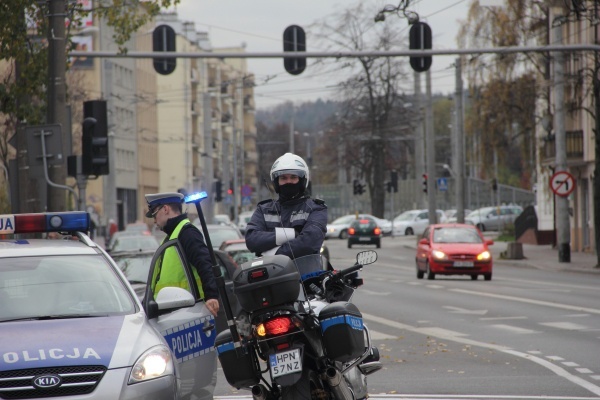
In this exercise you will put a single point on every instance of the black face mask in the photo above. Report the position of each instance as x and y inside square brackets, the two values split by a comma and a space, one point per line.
[289, 190]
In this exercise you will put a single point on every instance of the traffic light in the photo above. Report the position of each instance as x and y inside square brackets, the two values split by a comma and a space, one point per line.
[419, 38]
[163, 39]
[494, 184]
[356, 187]
[294, 39]
[388, 187]
[218, 191]
[230, 190]
[394, 181]
[361, 188]
[424, 183]
[94, 141]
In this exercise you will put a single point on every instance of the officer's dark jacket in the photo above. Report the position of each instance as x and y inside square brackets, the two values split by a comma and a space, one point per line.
[308, 217]
[197, 254]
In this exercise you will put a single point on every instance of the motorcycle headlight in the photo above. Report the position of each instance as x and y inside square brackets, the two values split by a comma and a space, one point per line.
[154, 363]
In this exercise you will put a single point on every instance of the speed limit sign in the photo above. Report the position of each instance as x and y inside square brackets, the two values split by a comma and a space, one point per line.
[562, 183]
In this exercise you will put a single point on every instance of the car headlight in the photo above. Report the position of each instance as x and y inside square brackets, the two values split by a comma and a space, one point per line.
[154, 363]
[439, 255]
[485, 256]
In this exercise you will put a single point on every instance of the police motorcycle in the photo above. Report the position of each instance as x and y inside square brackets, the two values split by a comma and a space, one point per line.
[300, 337]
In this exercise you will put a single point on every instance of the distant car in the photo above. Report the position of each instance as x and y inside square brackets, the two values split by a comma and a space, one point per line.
[222, 219]
[339, 227]
[138, 227]
[220, 233]
[453, 249]
[451, 215]
[132, 242]
[493, 218]
[364, 231]
[414, 222]
[243, 219]
[238, 250]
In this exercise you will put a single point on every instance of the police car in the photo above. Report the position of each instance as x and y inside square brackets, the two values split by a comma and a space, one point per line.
[72, 327]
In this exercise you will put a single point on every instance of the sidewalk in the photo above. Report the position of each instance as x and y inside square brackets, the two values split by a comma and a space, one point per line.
[546, 257]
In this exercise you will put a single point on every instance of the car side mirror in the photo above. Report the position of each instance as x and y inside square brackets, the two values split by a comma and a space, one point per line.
[489, 242]
[424, 241]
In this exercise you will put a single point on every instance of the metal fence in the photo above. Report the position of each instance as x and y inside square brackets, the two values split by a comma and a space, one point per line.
[478, 193]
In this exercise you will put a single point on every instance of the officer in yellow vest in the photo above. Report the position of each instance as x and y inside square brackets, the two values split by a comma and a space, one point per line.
[166, 209]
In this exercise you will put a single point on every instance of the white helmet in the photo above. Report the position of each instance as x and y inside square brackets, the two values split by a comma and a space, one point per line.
[290, 164]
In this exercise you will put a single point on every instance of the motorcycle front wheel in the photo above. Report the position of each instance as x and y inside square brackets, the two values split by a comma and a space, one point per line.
[309, 387]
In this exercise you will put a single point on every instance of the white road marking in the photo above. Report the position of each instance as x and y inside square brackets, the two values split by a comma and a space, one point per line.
[565, 325]
[530, 301]
[435, 287]
[534, 352]
[504, 349]
[555, 358]
[458, 310]
[596, 377]
[501, 318]
[570, 364]
[374, 293]
[380, 335]
[514, 329]
[584, 370]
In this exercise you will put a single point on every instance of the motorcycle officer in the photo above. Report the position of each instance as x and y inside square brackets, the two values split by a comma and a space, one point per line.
[293, 225]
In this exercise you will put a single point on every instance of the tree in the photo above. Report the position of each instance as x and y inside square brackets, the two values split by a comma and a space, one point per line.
[24, 53]
[371, 94]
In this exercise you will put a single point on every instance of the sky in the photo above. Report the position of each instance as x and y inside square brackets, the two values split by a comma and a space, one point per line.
[259, 25]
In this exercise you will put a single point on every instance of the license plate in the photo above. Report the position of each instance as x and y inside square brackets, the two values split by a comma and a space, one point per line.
[463, 263]
[364, 239]
[286, 362]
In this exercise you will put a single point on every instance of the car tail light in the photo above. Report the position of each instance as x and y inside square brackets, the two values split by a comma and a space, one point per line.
[351, 231]
[377, 231]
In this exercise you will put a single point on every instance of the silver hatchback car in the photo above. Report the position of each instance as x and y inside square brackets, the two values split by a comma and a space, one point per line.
[493, 218]
[73, 328]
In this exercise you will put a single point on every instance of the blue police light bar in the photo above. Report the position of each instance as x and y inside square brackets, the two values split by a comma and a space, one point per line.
[194, 197]
[73, 221]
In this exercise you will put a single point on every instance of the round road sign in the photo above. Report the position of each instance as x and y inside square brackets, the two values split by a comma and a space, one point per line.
[562, 183]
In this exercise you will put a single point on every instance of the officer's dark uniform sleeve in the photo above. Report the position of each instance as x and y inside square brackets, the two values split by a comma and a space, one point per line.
[310, 239]
[197, 254]
[259, 238]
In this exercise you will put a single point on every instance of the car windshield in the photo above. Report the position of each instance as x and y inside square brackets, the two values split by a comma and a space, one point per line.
[220, 234]
[344, 220]
[135, 243]
[61, 287]
[456, 235]
[406, 216]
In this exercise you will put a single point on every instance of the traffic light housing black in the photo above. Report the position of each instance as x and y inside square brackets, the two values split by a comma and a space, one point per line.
[424, 183]
[388, 187]
[355, 186]
[394, 181]
[94, 140]
[294, 39]
[164, 39]
[420, 39]
[218, 191]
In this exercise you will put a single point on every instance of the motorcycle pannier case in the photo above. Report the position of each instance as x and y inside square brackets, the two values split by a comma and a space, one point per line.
[342, 330]
[239, 371]
[266, 282]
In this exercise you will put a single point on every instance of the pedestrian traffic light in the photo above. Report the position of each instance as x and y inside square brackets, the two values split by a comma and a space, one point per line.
[394, 181]
[218, 191]
[355, 188]
[424, 183]
[94, 140]
[294, 39]
[163, 39]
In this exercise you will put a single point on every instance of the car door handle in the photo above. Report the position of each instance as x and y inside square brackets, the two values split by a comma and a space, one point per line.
[208, 327]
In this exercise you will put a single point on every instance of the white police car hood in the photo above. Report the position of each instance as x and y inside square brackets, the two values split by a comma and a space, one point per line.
[113, 342]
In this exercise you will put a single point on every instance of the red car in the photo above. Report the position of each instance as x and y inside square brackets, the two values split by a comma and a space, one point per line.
[453, 249]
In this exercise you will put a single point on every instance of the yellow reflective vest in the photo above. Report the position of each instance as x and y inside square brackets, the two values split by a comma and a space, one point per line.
[169, 271]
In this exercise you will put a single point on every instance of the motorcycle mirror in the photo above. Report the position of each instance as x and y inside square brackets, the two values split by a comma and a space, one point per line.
[366, 257]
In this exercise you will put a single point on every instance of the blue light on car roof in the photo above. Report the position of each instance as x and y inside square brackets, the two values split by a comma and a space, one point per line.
[191, 198]
[72, 221]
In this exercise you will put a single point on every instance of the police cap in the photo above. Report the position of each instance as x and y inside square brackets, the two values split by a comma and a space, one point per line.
[157, 199]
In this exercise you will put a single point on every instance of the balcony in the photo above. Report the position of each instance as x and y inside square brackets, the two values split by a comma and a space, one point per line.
[574, 148]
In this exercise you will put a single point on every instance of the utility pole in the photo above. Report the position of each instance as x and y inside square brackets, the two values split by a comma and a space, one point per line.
[430, 141]
[419, 144]
[563, 228]
[57, 107]
[459, 158]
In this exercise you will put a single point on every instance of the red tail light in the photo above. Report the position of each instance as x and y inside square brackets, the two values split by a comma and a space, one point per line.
[377, 231]
[279, 325]
[351, 231]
